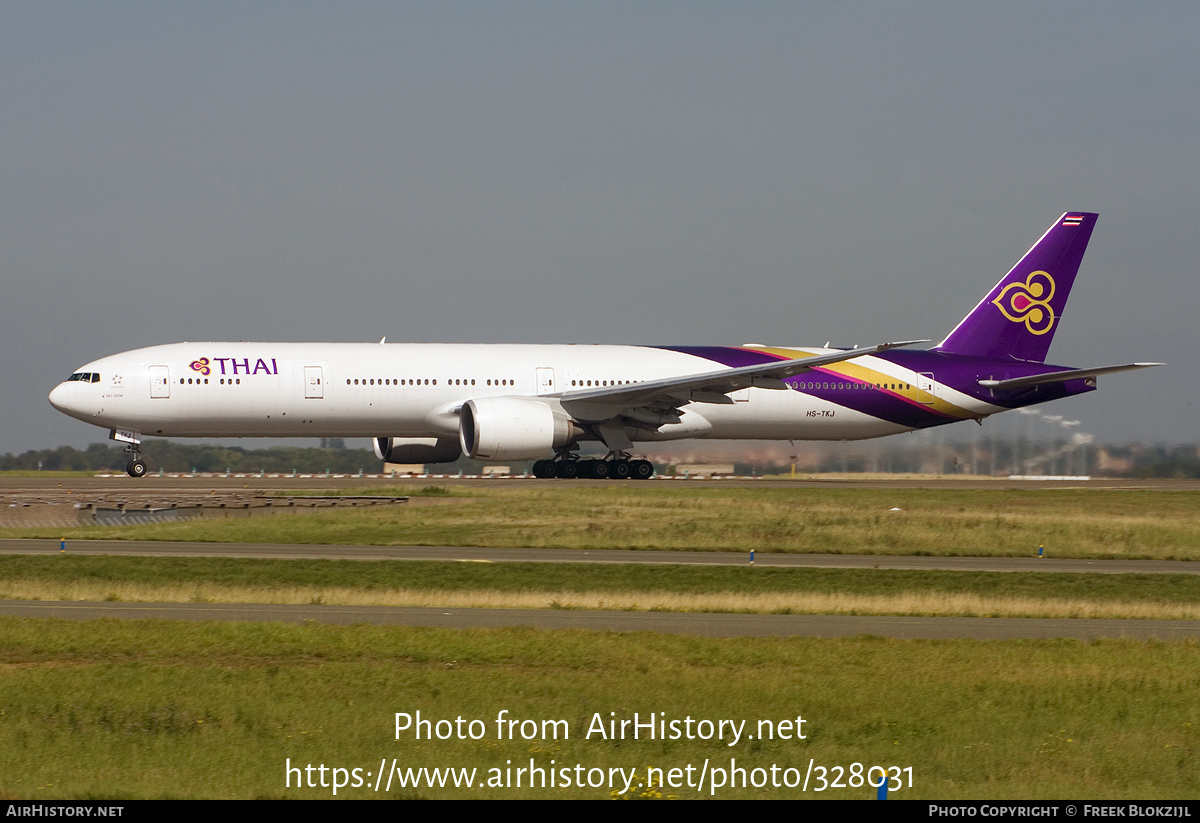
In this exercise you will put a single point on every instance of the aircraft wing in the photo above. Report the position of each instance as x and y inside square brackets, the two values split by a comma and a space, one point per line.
[706, 387]
[1059, 376]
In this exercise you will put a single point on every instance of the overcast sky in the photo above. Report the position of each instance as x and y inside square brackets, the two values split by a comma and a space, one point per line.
[663, 173]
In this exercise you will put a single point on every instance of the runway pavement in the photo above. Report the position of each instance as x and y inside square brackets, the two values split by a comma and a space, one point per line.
[187, 483]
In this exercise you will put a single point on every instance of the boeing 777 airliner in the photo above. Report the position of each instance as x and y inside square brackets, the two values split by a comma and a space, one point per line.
[431, 403]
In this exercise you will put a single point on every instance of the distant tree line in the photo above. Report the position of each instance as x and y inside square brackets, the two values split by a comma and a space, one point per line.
[1163, 461]
[1134, 460]
[950, 458]
[177, 457]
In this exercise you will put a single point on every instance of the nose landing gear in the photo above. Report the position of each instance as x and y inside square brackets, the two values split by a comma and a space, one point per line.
[136, 467]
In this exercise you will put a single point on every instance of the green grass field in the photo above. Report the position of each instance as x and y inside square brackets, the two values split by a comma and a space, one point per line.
[108, 709]
[1002, 522]
[610, 586]
[150, 709]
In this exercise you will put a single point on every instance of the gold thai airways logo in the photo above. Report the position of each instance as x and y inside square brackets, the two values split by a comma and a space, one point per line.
[1029, 302]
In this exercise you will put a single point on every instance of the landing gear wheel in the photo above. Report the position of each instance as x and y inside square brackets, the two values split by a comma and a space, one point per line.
[619, 469]
[601, 469]
[543, 469]
[136, 468]
[568, 469]
[641, 469]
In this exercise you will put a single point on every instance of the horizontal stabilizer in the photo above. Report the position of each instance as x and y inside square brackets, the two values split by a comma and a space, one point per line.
[1059, 376]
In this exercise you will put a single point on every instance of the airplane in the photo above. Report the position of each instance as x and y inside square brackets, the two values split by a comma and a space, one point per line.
[432, 403]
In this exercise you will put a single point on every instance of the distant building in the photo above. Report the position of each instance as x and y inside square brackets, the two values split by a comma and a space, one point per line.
[402, 469]
[704, 469]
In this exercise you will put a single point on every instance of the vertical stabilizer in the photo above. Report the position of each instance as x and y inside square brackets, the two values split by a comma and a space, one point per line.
[1019, 316]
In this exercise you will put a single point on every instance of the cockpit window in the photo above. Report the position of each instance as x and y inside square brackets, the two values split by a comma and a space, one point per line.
[84, 377]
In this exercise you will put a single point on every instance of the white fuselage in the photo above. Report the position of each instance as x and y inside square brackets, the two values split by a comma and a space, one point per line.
[417, 390]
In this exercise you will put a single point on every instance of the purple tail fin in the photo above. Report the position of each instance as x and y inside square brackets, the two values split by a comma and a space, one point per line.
[1020, 314]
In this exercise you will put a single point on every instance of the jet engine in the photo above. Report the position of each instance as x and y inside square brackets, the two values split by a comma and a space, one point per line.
[512, 428]
[416, 449]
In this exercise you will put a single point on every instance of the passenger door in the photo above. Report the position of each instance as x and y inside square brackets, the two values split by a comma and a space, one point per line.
[160, 381]
[314, 383]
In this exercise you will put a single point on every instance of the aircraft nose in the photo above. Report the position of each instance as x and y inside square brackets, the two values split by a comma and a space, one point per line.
[58, 397]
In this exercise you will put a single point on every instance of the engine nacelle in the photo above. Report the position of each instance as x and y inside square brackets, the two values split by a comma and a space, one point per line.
[512, 428]
[416, 449]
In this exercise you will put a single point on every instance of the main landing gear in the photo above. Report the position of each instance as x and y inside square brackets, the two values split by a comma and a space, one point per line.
[571, 467]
